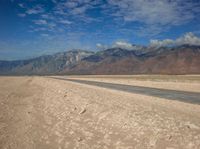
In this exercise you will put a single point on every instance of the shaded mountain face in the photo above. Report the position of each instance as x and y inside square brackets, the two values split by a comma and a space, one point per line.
[176, 60]
[184, 59]
[113, 53]
[50, 64]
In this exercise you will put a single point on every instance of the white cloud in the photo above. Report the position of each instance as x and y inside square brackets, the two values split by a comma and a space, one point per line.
[127, 46]
[158, 43]
[101, 46]
[35, 10]
[123, 45]
[119, 44]
[163, 12]
[157, 15]
[65, 22]
[47, 16]
[38, 29]
[51, 25]
[71, 4]
[21, 5]
[76, 9]
[188, 38]
[79, 10]
[40, 22]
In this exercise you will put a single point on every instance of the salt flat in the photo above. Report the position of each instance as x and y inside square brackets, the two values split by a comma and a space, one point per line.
[45, 113]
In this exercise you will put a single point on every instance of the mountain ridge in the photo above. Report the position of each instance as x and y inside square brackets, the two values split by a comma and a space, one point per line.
[183, 59]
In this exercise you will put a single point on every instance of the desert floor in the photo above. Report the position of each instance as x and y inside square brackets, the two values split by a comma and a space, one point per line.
[45, 113]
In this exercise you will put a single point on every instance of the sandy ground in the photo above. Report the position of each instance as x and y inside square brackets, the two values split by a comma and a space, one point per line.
[43, 113]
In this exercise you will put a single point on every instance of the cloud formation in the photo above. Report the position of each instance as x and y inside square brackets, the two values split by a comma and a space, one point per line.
[153, 11]
[65, 22]
[35, 10]
[40, 22]
[123, 45]
[156, 15]
[101, 46]
[187, 39]
[119, 44]
[110, 20]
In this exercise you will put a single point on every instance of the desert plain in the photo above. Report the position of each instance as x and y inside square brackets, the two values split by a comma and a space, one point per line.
[41, 112]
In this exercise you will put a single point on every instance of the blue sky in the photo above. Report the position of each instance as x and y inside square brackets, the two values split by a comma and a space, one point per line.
[30, 28]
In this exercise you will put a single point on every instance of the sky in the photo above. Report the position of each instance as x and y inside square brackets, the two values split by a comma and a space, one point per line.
[30, 28]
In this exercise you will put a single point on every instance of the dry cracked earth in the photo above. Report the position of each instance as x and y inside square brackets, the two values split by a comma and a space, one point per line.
[44, 113]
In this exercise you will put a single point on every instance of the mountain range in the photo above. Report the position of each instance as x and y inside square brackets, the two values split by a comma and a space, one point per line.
[184, 59]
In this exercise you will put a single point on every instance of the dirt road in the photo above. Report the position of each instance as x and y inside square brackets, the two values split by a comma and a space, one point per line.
[190, 97]
[44, 113]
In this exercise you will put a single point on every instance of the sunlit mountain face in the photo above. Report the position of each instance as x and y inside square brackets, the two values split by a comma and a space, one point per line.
[31, 28]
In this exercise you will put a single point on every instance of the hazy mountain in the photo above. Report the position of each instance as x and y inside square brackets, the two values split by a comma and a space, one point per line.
[48, 64]
[183, 59]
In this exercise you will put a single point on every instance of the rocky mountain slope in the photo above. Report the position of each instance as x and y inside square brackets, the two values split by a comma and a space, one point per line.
[49, 64]
[183, 59]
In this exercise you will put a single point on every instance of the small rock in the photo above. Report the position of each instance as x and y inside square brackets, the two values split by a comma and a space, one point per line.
[82, 111]
[79, 139]
[170, 137]
[152, 142]
[191, 126]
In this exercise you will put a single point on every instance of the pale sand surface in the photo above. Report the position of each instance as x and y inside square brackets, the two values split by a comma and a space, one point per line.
[189, 83]
[44, 113]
